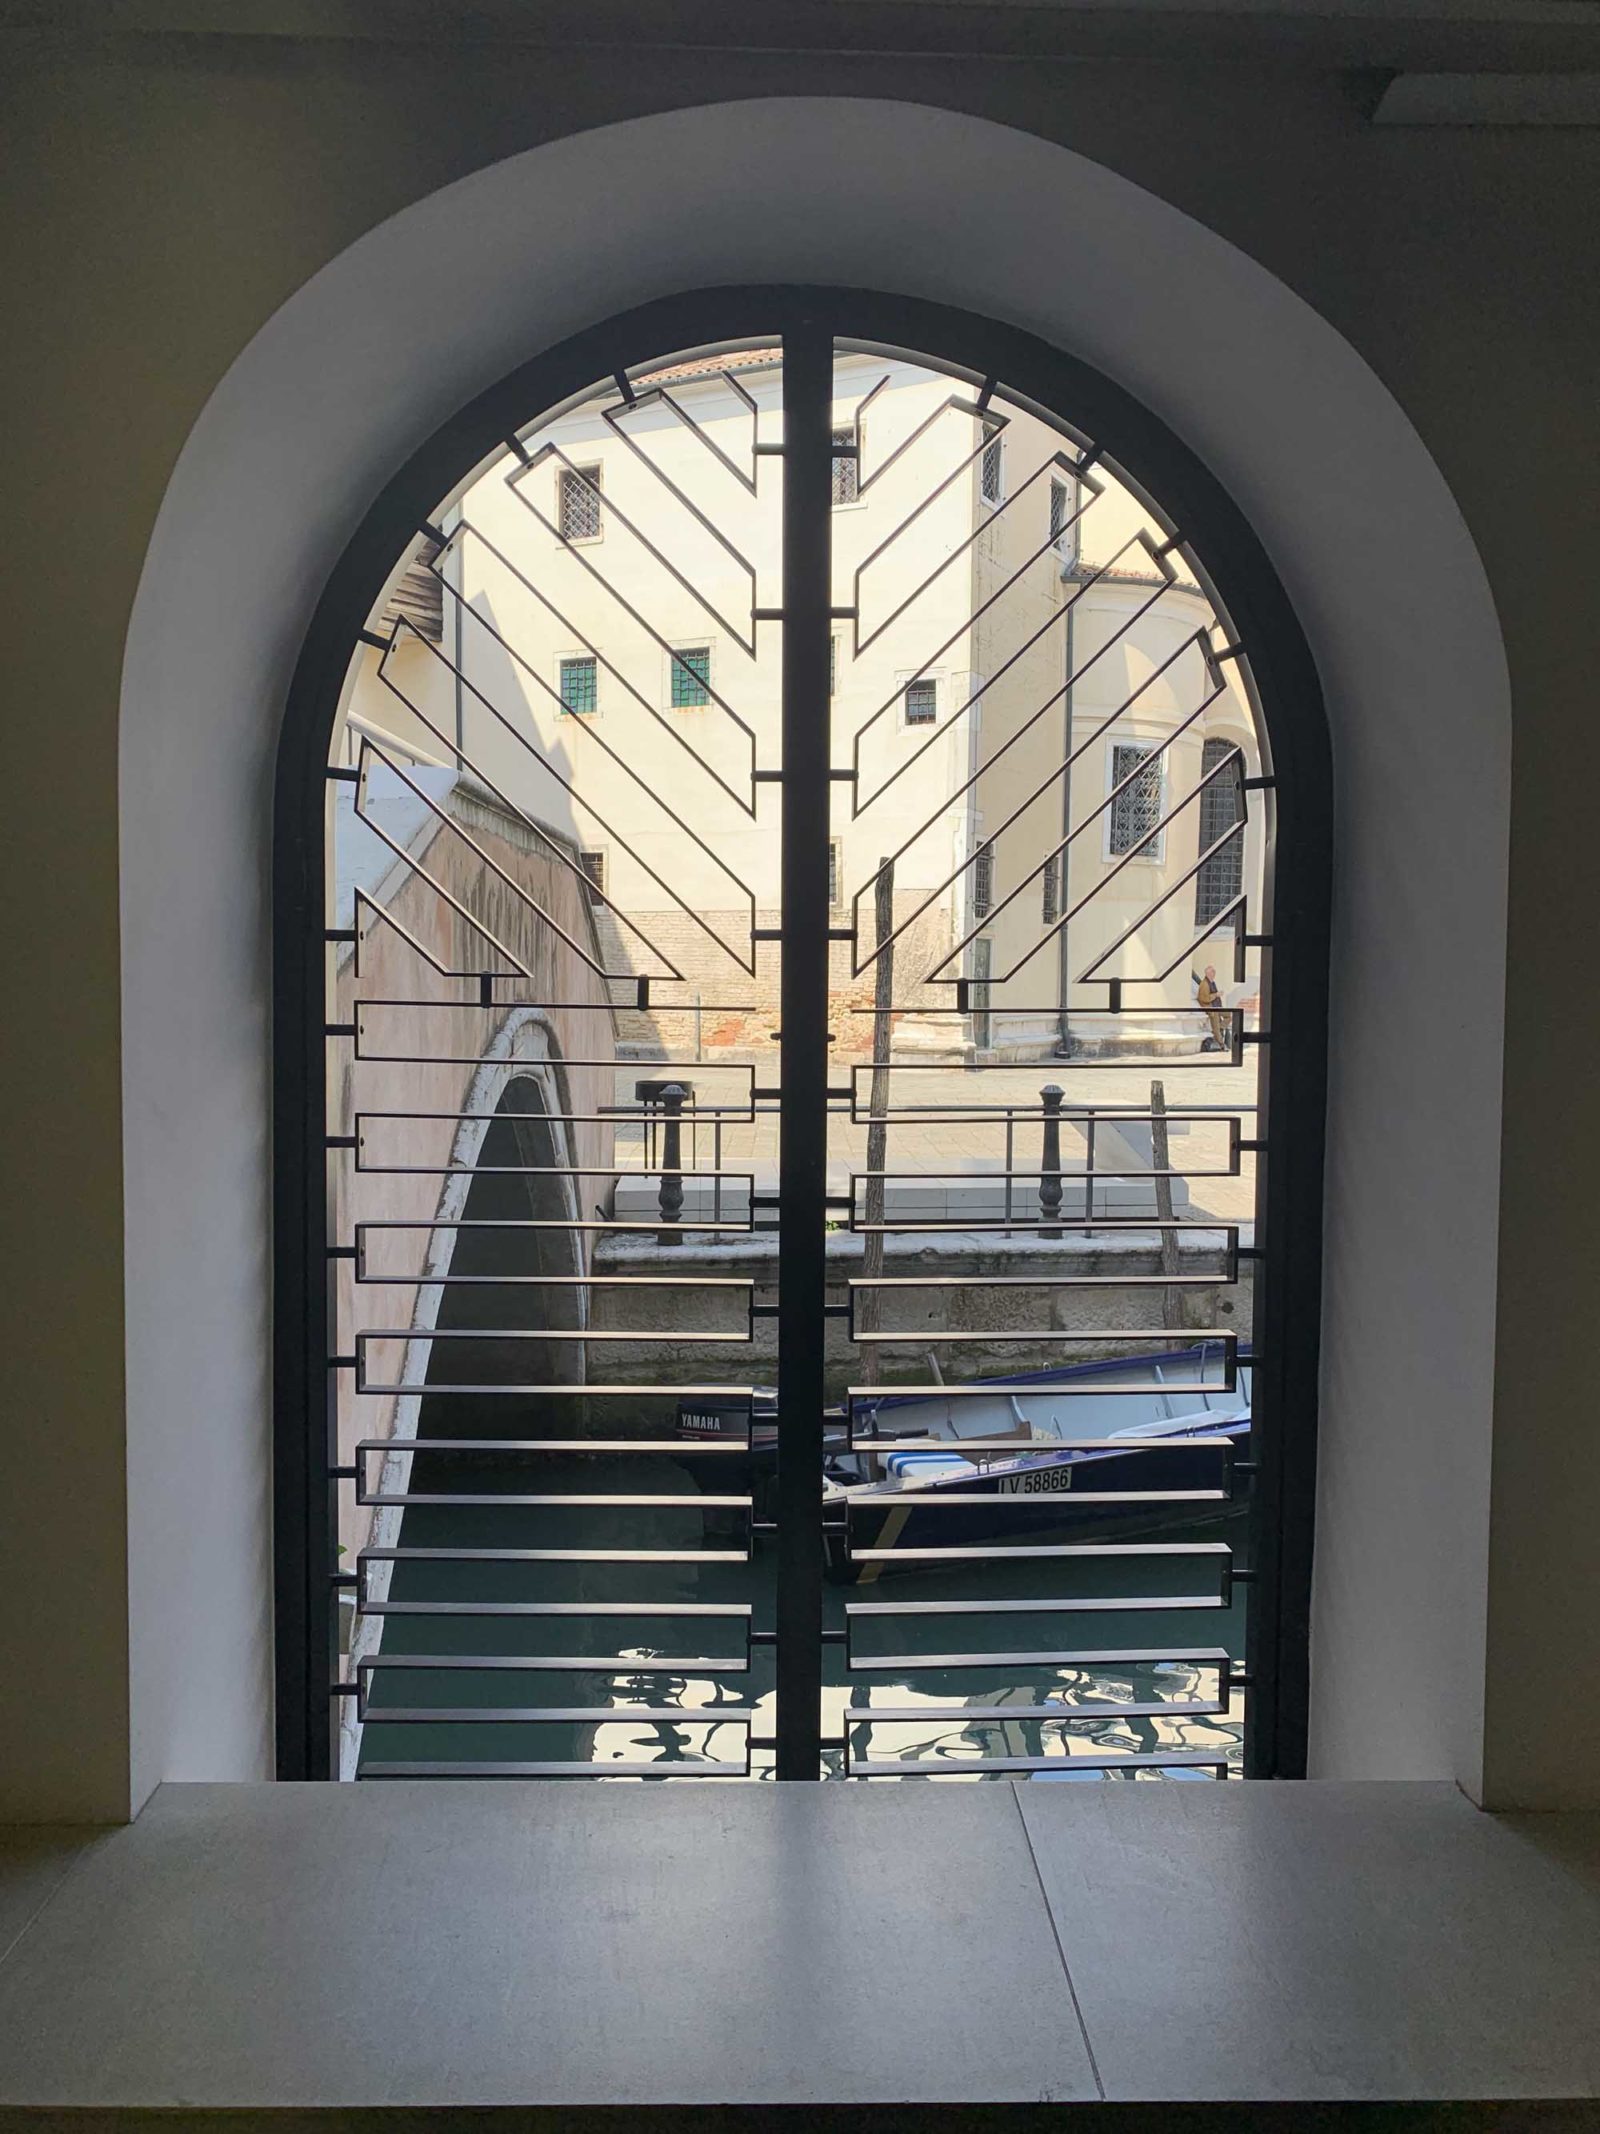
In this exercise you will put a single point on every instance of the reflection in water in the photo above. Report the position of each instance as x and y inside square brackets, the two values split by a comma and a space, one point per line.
[598, 1663]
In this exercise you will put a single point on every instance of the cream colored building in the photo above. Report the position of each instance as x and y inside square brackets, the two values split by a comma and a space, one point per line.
[594, 657]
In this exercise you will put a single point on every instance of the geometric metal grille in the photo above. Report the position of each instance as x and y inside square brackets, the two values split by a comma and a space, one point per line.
[775, 1328]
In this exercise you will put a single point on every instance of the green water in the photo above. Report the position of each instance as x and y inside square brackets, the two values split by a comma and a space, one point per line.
[632, 1660]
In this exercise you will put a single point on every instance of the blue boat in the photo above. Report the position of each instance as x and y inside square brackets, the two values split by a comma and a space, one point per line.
[1137, 1443]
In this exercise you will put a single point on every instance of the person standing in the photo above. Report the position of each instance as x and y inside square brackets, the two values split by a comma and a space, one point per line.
[1209, 995]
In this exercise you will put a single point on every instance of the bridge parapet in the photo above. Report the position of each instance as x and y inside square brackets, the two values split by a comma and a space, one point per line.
[421, 865]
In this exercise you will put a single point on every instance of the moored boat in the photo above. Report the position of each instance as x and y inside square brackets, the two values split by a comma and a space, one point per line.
[1138, 1443]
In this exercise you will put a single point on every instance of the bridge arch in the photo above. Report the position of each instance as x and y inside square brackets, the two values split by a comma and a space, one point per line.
[415, 318]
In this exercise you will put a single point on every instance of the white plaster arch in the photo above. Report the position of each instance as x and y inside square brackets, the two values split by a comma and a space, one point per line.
[434, 305]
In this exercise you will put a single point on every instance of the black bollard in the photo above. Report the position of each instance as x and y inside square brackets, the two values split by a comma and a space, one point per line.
[1050, 1162]
[671, 1200]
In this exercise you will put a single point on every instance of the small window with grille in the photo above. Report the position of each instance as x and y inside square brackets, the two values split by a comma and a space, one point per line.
[578, 503]
[983, 883]
[1051, 897]
[1063, 531]
[922, 703]
[991, 471]
[846, 466]
[1133, 815]
[594, 866]
[1221, 805]
[835, 871]
[580, 685]
[833, 665]
[691, 677]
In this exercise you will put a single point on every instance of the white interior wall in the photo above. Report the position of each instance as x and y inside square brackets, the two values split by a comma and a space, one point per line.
[434, 305]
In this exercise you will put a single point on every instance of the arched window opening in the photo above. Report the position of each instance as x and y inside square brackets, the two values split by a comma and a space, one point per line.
[808, 875]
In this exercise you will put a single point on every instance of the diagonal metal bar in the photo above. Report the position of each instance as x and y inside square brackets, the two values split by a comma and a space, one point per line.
[612, 418]
[1101, 808]
[1211, 851]
[410, 860]
[1054, 777]
[1169, 579]
[994, 425]
[975, 616]
[745, 960]
[1126, 860]
[964, 548]
[365, 903]
[615, 511]
[371, 747]
[578, 636]
[1239, 904]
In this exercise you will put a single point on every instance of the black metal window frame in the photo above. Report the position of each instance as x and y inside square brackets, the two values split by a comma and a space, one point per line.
[1293, 933]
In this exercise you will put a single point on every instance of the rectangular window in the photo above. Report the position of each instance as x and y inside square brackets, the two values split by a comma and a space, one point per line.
[578, 503]
[989, 471]
[691, 677]
[580, 685]
[594, 866]
[1137, 808]
[1052, 889]
[1221, 805]
[1063, 528]
[922, 703]
[833, 665]
[846, 467]
[834, 866]
[983, 882]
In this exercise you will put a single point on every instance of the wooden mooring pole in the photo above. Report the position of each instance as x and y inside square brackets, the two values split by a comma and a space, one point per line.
[1161, 1164]
[868, 1303]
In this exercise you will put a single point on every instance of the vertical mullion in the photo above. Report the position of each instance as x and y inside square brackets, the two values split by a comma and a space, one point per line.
[803, 1115]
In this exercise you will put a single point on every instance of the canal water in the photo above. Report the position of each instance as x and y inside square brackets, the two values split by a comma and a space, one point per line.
[616, 1663]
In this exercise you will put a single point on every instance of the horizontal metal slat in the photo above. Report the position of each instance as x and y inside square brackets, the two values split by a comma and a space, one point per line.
[553, 1445]
[589, 1501]
[928, 1498]
[980, 1447]
[1002, 1714]
[557, 1715]
[961, 1767]
[666, 1767]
